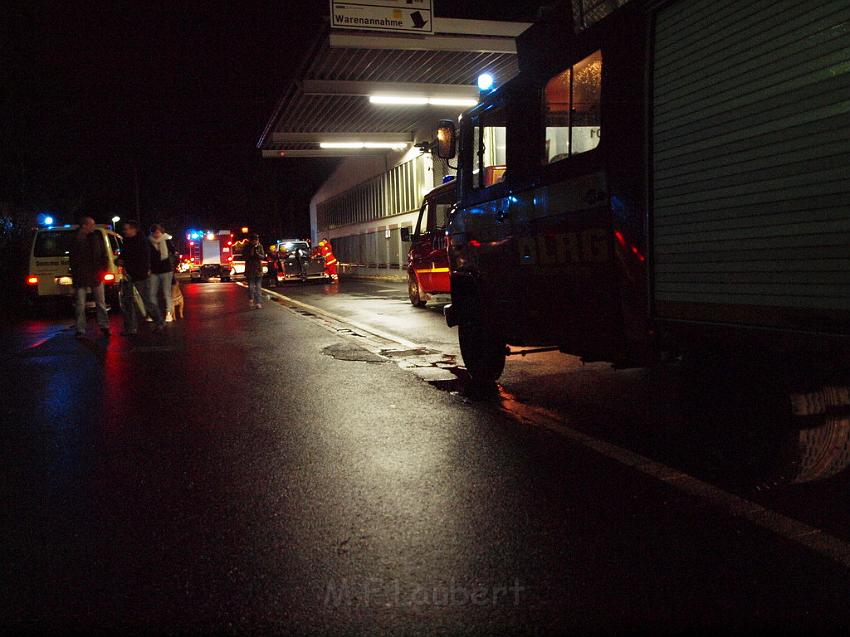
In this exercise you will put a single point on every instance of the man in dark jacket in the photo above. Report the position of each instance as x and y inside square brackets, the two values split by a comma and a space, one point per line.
[89, 262]
[254, 258]
[135, 258]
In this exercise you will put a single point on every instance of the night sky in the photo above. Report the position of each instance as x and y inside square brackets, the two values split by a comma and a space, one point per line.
[177, 93]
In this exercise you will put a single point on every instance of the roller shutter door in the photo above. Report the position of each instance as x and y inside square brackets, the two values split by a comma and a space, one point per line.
[751, 161]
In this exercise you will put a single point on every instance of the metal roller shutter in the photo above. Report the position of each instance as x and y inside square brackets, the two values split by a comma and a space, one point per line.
[751, 159]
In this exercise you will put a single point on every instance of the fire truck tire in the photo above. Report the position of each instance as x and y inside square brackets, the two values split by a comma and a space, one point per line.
[483, 353]
[413, 291]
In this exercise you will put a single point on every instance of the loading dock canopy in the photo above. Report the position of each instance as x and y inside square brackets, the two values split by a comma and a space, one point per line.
[362, 93]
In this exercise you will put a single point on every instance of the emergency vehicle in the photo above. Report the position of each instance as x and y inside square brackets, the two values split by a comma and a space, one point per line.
[49, 274]
[210, 254]
[427, 258]
[662, 177]
[297, 262]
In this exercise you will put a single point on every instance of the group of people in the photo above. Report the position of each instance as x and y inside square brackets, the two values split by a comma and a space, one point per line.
[148, 264]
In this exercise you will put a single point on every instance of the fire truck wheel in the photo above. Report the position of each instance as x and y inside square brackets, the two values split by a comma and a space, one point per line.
[482, 352]
[413, 291]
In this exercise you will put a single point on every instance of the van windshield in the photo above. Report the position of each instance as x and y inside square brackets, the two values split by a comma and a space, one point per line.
[53, 243]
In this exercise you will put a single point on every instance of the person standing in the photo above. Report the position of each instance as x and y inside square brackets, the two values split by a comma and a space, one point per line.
[327, 252]
[89, 262]
[162, 269]
[254, 257]
[135, 258]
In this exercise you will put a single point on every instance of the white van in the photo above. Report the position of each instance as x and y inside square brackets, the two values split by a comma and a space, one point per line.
[49, 269]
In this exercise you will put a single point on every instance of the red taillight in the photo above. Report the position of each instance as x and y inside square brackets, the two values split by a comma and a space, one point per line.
[108, 277]
[32, 280]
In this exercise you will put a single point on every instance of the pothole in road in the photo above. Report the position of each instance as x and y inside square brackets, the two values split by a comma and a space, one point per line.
[352, 352]
[407, 353]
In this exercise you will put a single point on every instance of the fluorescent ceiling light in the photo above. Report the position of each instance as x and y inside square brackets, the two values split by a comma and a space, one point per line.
[398, 99]
[452, 101]
[401, 100]
[341, 145]
[359, 145]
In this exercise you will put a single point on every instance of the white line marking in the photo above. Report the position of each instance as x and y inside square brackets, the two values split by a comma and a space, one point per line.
[360, 326]
[812, 538]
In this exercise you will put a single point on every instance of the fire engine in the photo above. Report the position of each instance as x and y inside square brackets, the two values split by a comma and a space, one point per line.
[662, 178]
[210, 254]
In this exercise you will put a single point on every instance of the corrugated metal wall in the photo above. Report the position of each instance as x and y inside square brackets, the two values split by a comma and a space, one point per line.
[751, 154]
[395, 192]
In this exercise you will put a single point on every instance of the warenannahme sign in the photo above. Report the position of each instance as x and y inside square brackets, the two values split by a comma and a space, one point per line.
[405, 16]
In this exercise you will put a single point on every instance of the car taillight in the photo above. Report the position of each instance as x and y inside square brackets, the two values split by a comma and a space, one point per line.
[108, 277]
[32, 280]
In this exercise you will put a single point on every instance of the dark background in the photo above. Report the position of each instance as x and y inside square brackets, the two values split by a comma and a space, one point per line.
[98, 94]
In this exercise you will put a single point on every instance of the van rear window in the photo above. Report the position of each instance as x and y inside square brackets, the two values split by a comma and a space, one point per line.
[53, 243]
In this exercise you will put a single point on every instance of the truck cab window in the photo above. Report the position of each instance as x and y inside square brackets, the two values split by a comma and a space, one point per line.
[421, 226]
[489, 147]
[441, 214]
[572, 113]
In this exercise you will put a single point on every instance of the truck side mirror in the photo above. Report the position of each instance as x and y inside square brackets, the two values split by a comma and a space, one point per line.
[405, 234]
[446, 139]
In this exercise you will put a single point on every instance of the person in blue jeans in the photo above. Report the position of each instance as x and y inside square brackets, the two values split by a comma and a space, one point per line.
[135, 259]
[162, 269]
[89, 262]
[254, 257]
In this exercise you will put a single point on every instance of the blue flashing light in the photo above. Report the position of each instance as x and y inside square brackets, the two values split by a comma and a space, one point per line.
[448, 178]
[48, 221]
[485, 82]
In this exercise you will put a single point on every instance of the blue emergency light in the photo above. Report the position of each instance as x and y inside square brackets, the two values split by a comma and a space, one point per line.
[485, 82]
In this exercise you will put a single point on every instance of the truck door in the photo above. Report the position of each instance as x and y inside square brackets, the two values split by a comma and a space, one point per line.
[489, 209]
[211, 251]
[565, 243]
[420, 250]
[439, 208]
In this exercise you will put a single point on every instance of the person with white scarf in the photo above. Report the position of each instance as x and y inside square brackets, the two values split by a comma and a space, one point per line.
[162, 269]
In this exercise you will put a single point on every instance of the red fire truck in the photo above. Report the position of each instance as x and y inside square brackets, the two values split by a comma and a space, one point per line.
[211, 255]
[709, 220]
[427, 259]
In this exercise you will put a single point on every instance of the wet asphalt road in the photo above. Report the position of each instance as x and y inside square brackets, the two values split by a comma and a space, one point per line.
[233, 476]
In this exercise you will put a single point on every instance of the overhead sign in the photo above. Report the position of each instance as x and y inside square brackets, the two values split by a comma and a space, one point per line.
[405, 16]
